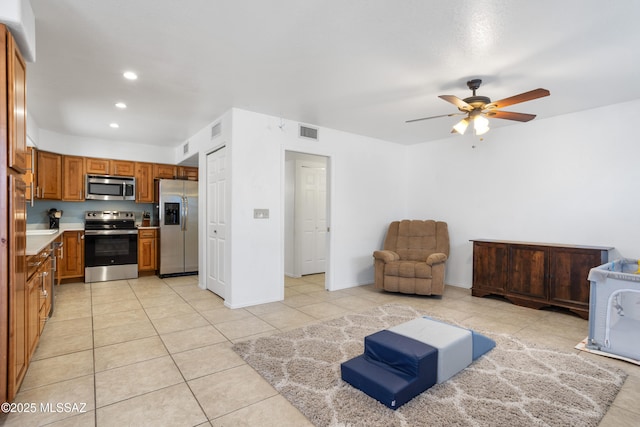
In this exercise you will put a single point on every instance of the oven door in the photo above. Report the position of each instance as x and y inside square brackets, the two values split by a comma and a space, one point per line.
[110, 247]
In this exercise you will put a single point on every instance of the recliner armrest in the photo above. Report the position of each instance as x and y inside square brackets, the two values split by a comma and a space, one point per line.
[386, 256]
[436, 258]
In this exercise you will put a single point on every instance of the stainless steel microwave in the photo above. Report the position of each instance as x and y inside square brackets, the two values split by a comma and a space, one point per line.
[107, 187]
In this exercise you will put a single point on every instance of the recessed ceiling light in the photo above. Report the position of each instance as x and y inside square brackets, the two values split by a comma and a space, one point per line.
[121, 105]
[130, 75]
[114, 125]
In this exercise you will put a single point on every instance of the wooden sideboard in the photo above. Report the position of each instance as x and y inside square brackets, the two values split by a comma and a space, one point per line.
[536, 275]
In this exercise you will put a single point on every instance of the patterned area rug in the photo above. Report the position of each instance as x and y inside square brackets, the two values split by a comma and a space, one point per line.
[514, 384]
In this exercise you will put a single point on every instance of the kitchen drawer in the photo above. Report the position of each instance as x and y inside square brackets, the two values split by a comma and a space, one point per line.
[146, 234]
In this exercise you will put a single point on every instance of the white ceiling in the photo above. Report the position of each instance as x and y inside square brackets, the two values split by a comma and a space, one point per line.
[362, 66]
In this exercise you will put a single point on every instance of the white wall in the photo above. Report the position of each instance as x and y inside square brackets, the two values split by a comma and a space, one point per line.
[365, 186]
[569, 179]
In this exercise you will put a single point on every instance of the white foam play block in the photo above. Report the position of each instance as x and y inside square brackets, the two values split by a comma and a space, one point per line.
[454, 344]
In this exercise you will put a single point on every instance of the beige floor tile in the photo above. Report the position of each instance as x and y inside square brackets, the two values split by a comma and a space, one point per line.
[56, 346]
[166, 325]
[75, 310]
[300, 299]
[207, 360]
[126, 353]
[258, 310]
[113, 297]
[173, 406]
[275, 411]
[227, 391]
[118, 319]
[59, 368]
[285, 319]
[129, 381]
[223, 314]
[181, 280]
[78, 391]
[171, 310]
[63, 328]
[204, 302]
[355, 303]
[243, 327]
[117, 334]
[192, 338]
[323, 310]
[116, 307]
[155, 301]
[85, 419]
[620, 417]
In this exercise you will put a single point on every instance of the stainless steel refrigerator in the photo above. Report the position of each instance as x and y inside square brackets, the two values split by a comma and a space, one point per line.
[178, 220]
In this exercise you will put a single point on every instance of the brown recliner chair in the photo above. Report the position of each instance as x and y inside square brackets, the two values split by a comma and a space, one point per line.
[413, 259]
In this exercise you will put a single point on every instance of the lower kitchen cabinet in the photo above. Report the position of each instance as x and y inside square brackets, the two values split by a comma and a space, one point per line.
[536, 275]
[147, 250]
[72, 259]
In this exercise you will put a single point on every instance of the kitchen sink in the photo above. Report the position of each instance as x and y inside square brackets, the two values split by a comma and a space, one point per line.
[42, 232]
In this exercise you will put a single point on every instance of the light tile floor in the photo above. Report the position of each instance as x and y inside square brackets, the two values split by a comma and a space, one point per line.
[152, 352]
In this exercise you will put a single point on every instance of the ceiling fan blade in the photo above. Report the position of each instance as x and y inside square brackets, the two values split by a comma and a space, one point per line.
[434, 117]
[516, 99]
[457, 102]
[508, 115]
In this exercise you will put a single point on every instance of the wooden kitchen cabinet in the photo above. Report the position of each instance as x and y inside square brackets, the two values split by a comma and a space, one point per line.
[144, 182]
[48, 175]
[122, 167]
[96, 166]
[189, 173]
[536, 275]
[72, 262]
[16, 85]
[73, 178]
[29, 175]
[161, 171]
[16, 306]
[147, 250]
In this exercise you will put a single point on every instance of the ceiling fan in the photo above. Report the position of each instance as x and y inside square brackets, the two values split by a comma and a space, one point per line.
[478, 108]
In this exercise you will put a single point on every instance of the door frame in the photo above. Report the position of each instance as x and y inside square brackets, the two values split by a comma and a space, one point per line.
[291, 240]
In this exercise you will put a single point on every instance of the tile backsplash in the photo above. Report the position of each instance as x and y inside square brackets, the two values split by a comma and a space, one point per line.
[73, 212]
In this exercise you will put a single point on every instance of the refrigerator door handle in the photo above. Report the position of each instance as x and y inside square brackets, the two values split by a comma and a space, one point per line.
[185, 212]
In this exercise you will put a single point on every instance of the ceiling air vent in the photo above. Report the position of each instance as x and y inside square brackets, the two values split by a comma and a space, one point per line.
[307, 132]
[185, 148]
[216, 130]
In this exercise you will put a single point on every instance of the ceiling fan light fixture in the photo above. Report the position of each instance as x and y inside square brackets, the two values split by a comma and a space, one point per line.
[461, 126]
[480, 125]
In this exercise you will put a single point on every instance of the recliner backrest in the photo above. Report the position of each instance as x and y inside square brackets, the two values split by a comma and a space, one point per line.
[415, 240]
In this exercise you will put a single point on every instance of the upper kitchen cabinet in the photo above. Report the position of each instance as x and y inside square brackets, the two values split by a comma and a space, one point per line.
[49, 175]
[12, 63]
[73, 178]
[144, 182]
[96, 166]
[188, 172]
[161, 171]
[122, 167]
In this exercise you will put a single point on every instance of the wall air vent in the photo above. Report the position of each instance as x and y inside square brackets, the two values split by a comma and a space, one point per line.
[185, 148]
[216, 130]
[308, 132]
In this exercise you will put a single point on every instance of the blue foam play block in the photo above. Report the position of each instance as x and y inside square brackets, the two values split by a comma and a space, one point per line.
[393, 369]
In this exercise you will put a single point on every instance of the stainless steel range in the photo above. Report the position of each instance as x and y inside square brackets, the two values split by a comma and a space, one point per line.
[110, 246]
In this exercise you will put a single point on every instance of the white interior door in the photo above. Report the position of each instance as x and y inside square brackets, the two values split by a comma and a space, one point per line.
[311, 217]
[216, 222]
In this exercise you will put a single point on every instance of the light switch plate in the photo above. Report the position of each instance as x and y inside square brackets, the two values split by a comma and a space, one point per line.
[261, 213]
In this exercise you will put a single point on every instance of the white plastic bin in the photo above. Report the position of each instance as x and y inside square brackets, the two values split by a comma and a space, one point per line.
[614, 308]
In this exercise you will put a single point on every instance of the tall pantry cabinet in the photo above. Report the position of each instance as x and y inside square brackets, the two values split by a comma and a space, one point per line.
[13, 221]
